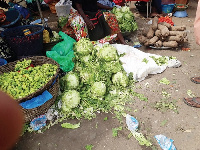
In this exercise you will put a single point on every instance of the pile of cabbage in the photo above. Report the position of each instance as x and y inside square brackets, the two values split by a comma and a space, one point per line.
[97, 82]
[125, 19]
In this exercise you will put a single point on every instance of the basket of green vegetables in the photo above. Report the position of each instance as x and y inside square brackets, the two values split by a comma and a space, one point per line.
[26, 78]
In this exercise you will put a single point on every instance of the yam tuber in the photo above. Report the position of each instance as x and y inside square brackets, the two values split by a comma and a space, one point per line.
[145, 31]
[158, 33]
[166, 24]
[185, 39]
[172, 44]
[158, 43]
[142, 39]
[155, 23]
[153, 40]
[177, 38]
[146, 43]
[164, 30]
[178, 28]
[150, 33]
[174, 33]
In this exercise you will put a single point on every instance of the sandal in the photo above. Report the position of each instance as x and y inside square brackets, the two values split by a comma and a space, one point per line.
[196, 80]
[193, 102]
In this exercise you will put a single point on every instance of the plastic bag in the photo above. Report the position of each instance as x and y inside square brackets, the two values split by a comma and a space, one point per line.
[38, 123]
[165, 143]
[63, 52]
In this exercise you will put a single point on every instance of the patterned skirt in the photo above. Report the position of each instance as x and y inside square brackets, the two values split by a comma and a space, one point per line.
[77, 28]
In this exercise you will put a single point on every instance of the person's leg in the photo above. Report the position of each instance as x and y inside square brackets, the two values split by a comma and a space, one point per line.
[121, 38]
[113, 23]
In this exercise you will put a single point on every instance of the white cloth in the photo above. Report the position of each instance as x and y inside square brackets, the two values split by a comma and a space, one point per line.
[132, 61]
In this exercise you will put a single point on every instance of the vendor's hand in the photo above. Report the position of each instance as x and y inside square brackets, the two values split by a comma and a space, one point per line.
[89, 24]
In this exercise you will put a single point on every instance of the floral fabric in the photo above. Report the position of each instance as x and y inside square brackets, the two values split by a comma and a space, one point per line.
[77, 28]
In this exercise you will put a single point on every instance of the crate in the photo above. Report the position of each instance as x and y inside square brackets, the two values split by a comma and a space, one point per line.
[24, 46]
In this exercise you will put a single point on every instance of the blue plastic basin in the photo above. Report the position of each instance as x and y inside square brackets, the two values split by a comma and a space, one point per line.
[167, 8]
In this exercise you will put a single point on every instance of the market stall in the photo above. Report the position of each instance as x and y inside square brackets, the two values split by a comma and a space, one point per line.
[83, 76]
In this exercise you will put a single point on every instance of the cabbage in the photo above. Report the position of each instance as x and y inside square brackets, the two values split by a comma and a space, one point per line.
[112, 66]
[120, 79]
[83, 47]
[98, 89]
[69, 81]
[70, 99]
[86, 59]
[125, 19]
[125, 9]
[108, 53]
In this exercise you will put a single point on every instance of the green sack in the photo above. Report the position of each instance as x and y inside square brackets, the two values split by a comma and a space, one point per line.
[63, 52]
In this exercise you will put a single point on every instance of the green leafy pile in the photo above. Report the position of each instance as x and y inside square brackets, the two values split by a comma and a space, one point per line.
[160, 60]
[62, 21]
[125, 19]
[26, 80]
[97, 82]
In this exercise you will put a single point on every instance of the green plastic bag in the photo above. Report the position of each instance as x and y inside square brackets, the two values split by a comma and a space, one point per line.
[63, 52]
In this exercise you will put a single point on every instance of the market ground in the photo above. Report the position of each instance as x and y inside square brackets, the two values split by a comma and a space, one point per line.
[183, 127]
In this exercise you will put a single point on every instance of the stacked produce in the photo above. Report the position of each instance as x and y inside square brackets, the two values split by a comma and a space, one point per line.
[97, 82]
[125, 18]
[163, 34]
[26, 78]
[48, 39]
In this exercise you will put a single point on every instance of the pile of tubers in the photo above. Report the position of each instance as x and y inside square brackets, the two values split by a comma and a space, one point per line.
[163, 35]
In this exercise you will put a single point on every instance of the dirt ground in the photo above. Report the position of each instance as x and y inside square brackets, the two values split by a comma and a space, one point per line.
[183, 127]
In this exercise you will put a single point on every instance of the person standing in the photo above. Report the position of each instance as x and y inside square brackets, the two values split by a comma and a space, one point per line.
[195, 101]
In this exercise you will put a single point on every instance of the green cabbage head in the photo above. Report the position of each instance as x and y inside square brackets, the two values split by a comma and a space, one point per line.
[69, 81]
[83, 47]
[120, 79]
[70, 99]
[98, 89]
[108, 53]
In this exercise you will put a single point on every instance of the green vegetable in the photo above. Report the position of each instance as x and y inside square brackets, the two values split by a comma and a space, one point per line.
[70, 126]
[55, 37]
[89, 147]
[141, 139]
[125, 18]
[115, 131]
[108, 53]
[70, 81]
[70, 99]
[120, 79]
[160, 60]
[22, 64]
[98, 89]
[62, 21]
[105, 119]
[83, 47]
[145, 60]
[24, 82]
[164, 81]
